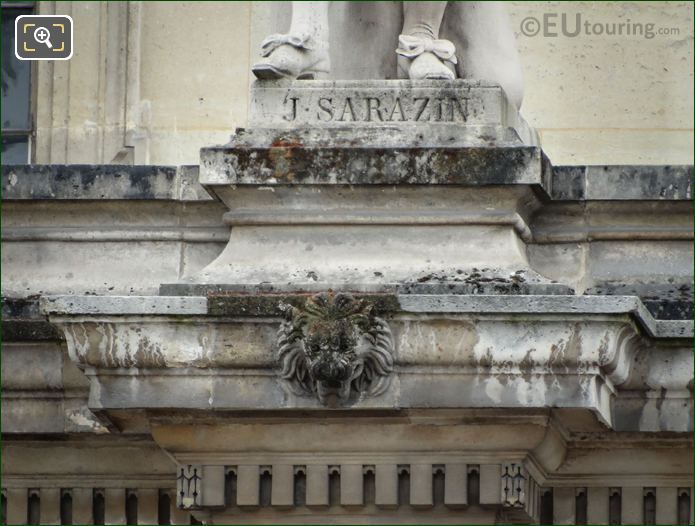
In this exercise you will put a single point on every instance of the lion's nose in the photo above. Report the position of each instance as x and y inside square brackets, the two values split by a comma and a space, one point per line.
[331, 371]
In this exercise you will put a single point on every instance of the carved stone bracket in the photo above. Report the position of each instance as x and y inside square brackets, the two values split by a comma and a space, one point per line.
[335, 348]
[589, 354]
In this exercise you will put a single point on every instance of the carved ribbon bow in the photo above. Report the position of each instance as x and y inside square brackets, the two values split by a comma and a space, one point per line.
[411, 46]
[272, 42]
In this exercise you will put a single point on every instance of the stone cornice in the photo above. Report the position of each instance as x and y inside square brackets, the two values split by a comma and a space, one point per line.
[154, 182]
[523, 352]
[241, 305]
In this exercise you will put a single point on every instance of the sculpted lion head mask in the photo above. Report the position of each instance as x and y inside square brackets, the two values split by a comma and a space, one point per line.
[335, 348]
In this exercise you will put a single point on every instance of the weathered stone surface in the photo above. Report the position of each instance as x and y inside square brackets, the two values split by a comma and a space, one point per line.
[24, 264]
[463, 282]
[657, 271]
[126, 182]
[302, 146]
[619, 183]
[550, 303]
[371, 157]
[96, 246]
[101, 182]
[27, 367]
[288, 157]
[632, 247]
[124, 305]
[284, 161]
[499, 350]
[673, 301]
[374, 238]
[120, 460]
[87, 246]
[463, 103]
[264, 305]
[22, 321]
[43, 392]
[270, 304]
[636, 221]
[107, 239]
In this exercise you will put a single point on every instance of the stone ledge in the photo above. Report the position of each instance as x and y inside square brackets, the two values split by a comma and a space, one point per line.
[220, 353]
[669, 301]
[266, 305]
[300, 157]
[583, 305]
[101, 182]
[22, 321]
[125, 182]
[487, 281]
[621, 183]
[125, 305]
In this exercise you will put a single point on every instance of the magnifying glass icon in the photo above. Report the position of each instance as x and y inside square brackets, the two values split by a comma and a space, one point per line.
[42, 36]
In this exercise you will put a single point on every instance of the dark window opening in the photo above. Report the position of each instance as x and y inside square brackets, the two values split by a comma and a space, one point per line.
[16, 119]
[369, 485]
[403, 487]
[265, 488]
[34, 508]
[230, 489]
[98, 507]
[683, 506]
[164, 508]
[299, 497]
[473, 487]
[615, 504]
[649, 506]
[438, 487]
[131, 508]
[66, 507]
[580, 507]
[547, 506]
[334, 489]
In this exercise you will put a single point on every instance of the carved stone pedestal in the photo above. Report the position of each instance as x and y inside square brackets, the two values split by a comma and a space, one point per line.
[479, 111]
[395, 330]
[423, 203]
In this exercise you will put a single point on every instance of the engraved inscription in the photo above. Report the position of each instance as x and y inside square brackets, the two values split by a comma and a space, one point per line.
[372, 109]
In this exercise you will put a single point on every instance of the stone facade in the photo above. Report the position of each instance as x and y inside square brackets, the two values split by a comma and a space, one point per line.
[517, 361]
[356, 310]
[594, 99]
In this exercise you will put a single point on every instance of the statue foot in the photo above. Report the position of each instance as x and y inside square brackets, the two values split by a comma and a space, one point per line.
[424, 58]
[292, 57]
[425, 66]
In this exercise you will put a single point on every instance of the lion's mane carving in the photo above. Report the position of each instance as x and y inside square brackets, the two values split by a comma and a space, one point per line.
[335, 347]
